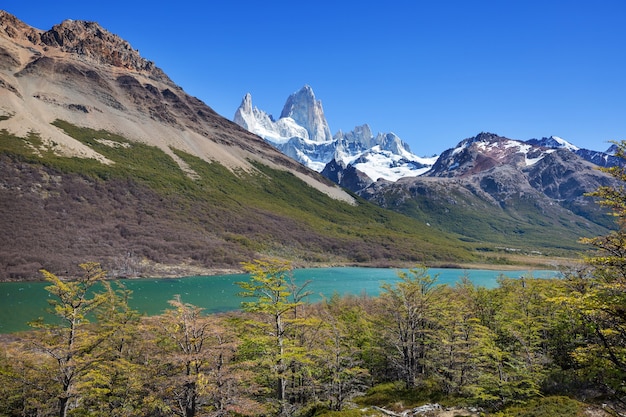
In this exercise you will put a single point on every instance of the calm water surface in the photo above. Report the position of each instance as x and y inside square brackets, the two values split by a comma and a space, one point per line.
[21, 302]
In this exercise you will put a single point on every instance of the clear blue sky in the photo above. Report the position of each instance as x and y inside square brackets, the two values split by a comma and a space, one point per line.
[433, 72]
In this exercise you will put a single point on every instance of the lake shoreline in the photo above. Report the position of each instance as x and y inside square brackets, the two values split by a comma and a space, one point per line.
[209, 272]
[162, 271]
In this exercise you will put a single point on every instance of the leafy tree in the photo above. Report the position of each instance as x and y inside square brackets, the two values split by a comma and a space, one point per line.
[70, 343]
[519, 327]
[412, 308]
[114, 386]
[194, 372]
[17, 396]
[341, 370]
[273, 329]
[464, 341]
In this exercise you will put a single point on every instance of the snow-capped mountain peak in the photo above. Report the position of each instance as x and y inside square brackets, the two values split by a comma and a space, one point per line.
[553, 142]
[358, 158]
[307, 112]
[262, 124]
[485, 151]
[303, 134]
[382, 156]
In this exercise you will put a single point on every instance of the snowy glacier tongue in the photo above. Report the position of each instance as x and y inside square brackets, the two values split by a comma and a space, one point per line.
[389, 167]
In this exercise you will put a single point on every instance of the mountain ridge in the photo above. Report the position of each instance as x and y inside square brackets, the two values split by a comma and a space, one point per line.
[523, 196]
[69, 51]
[105, 160]
[384, 153]
[521, 184]
[382, 156]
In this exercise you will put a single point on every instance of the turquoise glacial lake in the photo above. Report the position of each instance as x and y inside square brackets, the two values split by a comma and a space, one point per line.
[21, 302]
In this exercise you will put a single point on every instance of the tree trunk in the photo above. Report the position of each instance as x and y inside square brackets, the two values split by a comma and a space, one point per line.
[190, 399]
[63, 405]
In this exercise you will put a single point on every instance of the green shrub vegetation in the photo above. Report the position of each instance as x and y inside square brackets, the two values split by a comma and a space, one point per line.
[517, 224]
[555, 406]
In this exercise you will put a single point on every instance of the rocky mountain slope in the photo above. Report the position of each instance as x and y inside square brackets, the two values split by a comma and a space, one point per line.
[80, 73]
[529, 194]
[493, 189]
[104, 158]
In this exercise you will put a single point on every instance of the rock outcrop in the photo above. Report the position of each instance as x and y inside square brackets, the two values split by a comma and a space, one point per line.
[307, 112]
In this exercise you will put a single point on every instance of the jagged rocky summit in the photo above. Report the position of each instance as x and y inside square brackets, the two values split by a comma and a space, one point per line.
[487, 150]
[359, 158]
[515, 190]
[85, 39]
[302, 133]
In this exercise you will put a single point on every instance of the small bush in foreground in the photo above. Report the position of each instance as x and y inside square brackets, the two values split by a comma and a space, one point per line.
[394, 395]
[557, 406]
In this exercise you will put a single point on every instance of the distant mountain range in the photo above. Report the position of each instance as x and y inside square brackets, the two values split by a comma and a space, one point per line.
[104, 158]
[302, 133]
[525, 194]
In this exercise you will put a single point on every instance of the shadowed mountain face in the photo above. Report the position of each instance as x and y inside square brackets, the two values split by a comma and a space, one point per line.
[103, 158]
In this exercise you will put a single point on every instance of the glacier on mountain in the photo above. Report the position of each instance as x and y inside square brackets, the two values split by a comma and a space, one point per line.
[302, 133]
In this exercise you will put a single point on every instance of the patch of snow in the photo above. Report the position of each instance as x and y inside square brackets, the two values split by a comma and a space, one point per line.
[564, 144]
[533, 161]
[427, 160]
[317, 165]
[377, 163]
[458, 150]
[515, 144]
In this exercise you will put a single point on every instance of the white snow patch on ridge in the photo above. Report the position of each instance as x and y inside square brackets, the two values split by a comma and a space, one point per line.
[565, 144]
[533, 161]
